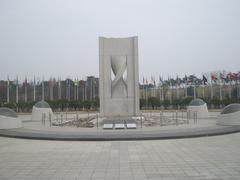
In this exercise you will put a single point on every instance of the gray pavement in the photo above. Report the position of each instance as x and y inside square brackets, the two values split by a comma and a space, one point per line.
[216, 157]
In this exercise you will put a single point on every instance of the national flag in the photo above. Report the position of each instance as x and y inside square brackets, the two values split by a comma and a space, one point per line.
[68, 81]
[76, 82]
[204, 80]
[232, 76]
[224, 77]
[185, 79]
[160, 80]
[81, 83]
[213, 77]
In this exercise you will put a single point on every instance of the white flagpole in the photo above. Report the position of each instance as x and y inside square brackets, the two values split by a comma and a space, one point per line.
[230, 89]
[17, 91]
[51, 89]
[66, 83]
[162, 93]
[25, 87]
[90, 89]
[94, 95]
[43, 89]
[203, 87]
[69, 91]
[194, 91]
[59, 89]
[170, 91]
[77, 88]
[34, 90]
[186, 90]
[220, 89]
[8, 90]
[211, 90]
[85, 91]
[203, 91]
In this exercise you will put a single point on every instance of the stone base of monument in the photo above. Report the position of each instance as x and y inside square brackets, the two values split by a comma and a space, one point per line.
[149, 127]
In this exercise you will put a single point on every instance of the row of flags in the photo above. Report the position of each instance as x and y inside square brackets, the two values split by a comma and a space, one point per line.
[206, 79]
[51, 82]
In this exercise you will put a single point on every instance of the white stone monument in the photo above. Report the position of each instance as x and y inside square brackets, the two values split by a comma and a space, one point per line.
[119, 83]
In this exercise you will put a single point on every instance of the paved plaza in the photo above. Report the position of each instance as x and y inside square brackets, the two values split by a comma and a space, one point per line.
[216, 157]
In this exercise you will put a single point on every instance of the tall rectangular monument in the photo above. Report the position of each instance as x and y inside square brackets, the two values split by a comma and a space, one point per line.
[118, 77]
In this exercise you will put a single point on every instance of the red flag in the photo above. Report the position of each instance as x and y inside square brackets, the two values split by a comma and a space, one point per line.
[232, 76]
[213, 77]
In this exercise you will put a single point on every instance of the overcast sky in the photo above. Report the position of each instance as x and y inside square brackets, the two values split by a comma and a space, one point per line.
[60, 38]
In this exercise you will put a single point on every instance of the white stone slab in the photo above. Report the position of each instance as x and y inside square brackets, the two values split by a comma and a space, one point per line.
[119, 126]
[107, 126]
[131, 126]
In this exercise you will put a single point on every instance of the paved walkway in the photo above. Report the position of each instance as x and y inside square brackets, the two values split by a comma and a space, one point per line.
[212, 158]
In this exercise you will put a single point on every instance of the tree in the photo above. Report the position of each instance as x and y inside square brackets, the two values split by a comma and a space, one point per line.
[154, 102]
[166, 103]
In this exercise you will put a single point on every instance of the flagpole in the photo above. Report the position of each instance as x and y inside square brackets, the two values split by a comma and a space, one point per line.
[51, 89]
[69, 91]
[186, 90]
[170, 91]
[8, 90]
[230, 89]
[25, 87]
[194, 91]
[220, 93]
[90, 89]
[94, 93]
[17, 91]
[66, 81]
[203, 91]
[34, 90]
[162, 93]
[85, 91]
[211, 90]
[77, 88]
[59, 89]
[43, 89]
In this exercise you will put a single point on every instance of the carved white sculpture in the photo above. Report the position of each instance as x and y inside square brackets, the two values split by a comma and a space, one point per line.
[119, 85]
[118, 63]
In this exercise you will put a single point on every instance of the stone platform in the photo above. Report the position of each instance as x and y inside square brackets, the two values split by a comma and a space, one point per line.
[35, 130]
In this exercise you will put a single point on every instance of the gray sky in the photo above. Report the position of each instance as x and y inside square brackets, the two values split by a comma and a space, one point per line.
[60, 38]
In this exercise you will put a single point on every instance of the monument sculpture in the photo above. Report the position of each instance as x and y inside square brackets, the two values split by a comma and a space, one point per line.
[119, 83]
